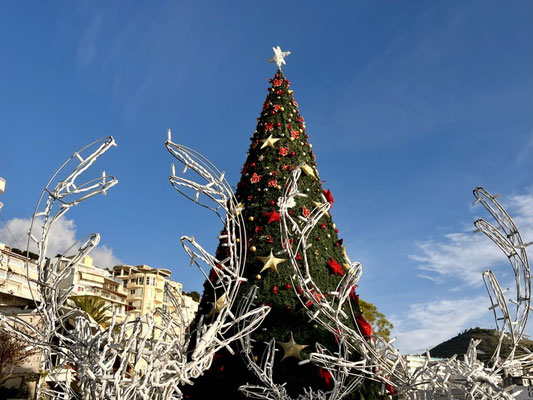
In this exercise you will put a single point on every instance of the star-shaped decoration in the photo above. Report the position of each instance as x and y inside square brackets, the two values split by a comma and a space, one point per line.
[291, 348]
[238, 208]
[309, 171]
[347, 264]
[271, 262]
[279, 56]
[335, 267]
[261, 157]
[318, 204]
[273, 216]
[218, 305]
[269, 142]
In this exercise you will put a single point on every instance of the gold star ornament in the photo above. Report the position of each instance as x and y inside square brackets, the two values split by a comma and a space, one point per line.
[309, 171]
[218, 305]
[271, 262]
[269, 142]
[292, 349]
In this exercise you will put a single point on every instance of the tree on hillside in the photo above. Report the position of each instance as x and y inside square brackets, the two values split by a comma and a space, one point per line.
[278, 145]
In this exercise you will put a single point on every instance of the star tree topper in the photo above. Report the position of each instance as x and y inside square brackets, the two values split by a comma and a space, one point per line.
[279, 56]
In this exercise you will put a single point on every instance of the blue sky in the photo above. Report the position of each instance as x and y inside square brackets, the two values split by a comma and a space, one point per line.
[409, 106]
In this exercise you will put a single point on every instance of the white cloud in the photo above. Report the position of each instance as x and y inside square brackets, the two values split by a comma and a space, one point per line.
[464, 255]
[62, 236]
[425, 325]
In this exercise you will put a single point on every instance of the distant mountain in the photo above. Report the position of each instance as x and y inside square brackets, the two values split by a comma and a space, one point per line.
[489, 340]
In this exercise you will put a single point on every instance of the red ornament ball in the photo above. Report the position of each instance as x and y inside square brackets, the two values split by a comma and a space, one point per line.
[275, 290]
[272, 202]
[288, 286]
[252, 164]
[293, 153]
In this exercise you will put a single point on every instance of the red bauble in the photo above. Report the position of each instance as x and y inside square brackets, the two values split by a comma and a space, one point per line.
[272, 202]
[275, 290]
[252, 164]
[293, 153]
[288, 286]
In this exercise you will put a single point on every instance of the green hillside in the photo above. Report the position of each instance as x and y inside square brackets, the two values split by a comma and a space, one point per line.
[489, 340]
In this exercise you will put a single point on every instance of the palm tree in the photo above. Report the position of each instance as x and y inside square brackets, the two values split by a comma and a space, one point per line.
[96, 307]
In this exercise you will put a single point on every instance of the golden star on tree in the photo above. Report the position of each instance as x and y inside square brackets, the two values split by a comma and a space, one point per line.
[238, 208]
[347, 264]
[318, 204]
[218, 305]
[291, 348]
[269, 142]
[271, 262]
[309, 171]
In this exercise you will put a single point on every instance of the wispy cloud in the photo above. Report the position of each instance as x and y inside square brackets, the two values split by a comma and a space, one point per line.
[425, 325]
[62, 236]
[464, 255]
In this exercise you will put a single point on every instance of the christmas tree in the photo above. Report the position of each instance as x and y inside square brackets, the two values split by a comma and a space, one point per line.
[279, 145]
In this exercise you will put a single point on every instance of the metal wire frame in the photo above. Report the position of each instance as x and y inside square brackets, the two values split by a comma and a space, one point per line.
[380, 360]
[105, 359]
[507, 237]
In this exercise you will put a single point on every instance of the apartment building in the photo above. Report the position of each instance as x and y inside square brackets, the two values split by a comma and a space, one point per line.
[131, 291]
[86, 279]
[145, 287]
[15, 289]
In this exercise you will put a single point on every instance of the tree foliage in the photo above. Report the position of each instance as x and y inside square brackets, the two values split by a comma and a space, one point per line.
[96, 307]
[381, 326]
[13, 353]
[194, 295]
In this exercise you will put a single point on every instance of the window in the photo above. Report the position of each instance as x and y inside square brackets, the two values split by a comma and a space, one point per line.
[132, 280]
[125, 283]
[140, 281]
[132, 291]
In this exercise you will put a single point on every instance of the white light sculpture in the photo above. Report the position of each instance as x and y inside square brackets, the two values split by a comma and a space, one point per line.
[380, 360]
[104, 361]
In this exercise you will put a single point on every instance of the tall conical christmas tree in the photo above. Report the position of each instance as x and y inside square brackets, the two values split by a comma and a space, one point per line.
[279, 144]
